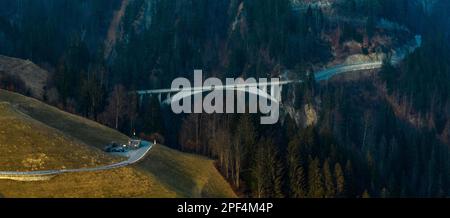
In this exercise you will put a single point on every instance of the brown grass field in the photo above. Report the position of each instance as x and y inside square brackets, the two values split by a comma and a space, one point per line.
[36, 136]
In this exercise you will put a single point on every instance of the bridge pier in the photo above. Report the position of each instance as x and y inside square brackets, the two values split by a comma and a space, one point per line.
[141, 100]
[159, 97]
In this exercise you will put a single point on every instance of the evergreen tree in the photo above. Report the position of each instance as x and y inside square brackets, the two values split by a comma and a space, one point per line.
[275, 170]
[258, 177]
[349, 188]
[330, 190]
[296, 173]
[340, 181]
[315, 179]
[246, 137]
[366, 194]
[384, 193]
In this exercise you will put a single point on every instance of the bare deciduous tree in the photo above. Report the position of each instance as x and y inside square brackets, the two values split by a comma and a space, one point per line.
[117, 106]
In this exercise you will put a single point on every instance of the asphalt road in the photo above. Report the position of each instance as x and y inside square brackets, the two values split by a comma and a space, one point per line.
[398, 55]
[134, 156]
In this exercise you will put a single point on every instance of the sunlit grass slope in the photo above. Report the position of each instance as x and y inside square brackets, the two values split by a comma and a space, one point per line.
[27, 144]
[187, 174]
[89, 132]
[35, 136]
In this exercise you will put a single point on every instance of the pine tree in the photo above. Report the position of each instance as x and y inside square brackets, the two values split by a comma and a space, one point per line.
[274, 169]
[349, 178]
[267, 171]
[340, 181]
[370, 26]
[244, 145]
[315, 179]
[296, 173]
[258, 172]
[330, 190]
[366, 194]
[384, 193]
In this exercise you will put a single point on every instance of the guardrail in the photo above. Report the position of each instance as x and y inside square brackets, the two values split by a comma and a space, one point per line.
[133, 157]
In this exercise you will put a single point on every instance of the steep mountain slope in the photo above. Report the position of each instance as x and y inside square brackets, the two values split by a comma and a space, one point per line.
[35, 136]
[34, 77]
[89, 132]
[27, 144]
[165, 173]
[41, 30]
[114, 28]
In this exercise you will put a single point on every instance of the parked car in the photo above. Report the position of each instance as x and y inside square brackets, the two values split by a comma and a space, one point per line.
[114, 147]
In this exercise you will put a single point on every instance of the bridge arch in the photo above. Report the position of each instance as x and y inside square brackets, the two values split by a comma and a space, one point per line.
[250, 90]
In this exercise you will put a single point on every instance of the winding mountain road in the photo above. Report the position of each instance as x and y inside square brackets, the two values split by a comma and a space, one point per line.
[397, 56]
[134, 156]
